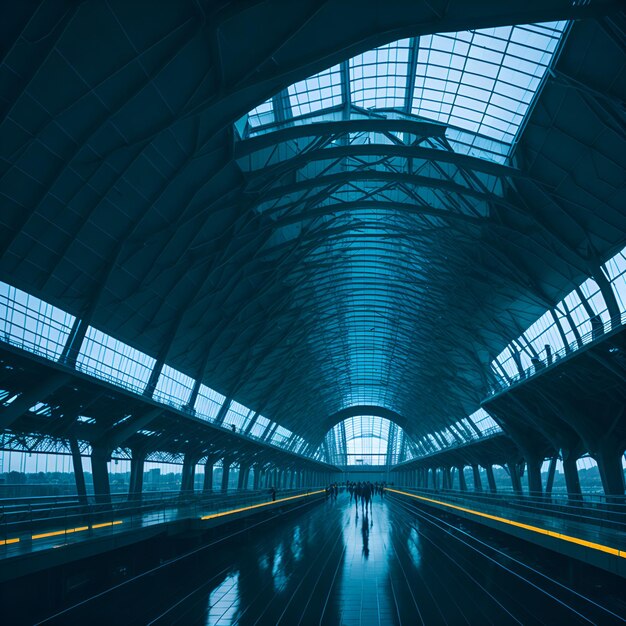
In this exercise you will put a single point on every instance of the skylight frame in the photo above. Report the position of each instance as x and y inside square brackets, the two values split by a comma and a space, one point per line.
[487, 87]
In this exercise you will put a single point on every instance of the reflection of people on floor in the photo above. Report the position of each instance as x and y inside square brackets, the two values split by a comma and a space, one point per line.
[365, 533]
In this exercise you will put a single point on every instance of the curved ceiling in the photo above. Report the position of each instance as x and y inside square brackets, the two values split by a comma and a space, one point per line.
[304, 271]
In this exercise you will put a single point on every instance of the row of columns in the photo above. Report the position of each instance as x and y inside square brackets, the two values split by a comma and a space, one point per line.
[264, 475]
[441, 477]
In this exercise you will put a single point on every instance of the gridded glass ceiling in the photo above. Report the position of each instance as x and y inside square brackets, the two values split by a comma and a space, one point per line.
[480, 83]
[321, 91]
[367, 440]
[378, 78]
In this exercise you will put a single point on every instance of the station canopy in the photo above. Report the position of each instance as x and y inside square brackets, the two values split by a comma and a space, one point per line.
[363, 242]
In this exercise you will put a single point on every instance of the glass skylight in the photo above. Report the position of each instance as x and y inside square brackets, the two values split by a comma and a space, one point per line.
[479, 83]
[366, 440]
[378, 78]
[321, 91]
[483, 81]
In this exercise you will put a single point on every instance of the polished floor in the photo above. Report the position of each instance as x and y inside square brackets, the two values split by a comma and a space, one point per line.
[334, 563]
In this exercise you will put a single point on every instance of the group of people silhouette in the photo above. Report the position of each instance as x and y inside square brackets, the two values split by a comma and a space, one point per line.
[364, 492]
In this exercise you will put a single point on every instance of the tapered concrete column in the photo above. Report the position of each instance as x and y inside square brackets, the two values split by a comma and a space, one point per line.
[478, 483]
[423, 478]
[189, 474]
[572, 480]
[135, 487]
[491, 479]
[435, 479]
[609, 460]
[533, 472]
[551, 472]
[100, 473]
[292, 479]
[255, 478]
[516, 480]
[225, 474]
[242, 479]
[207, 485]
[299, 479]
[79, 474]
[447, 483]
[462, 482]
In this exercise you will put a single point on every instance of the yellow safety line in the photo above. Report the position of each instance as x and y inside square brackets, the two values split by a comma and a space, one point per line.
[258, 506]
[510, 522]
[6, 542]
[67, 531]
[103, 524]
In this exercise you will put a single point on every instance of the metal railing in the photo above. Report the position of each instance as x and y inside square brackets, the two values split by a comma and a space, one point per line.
[25, 520]
[20, 317]
[593, 516]
[586, 340]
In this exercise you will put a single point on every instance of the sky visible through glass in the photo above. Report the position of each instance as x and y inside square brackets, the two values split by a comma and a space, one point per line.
[480, 83]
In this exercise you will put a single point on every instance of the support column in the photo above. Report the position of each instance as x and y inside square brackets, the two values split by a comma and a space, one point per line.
[533, 471]
[572, 480]
[478, 483]
[551, 472]
[225, 474]
[516, 480]
[241, 479]
[79, 474]
[491, 480]
[207, 485]
[424, 478]
[446, 478]
[100, 473]
[435, 479]
[255, 479]
[189, 474]
[609, 462]
[462, 482]
[135, 488]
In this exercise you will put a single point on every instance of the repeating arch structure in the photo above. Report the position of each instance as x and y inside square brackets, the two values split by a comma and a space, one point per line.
[318, 225]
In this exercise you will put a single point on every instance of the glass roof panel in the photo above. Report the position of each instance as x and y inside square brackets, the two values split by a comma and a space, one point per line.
[378, 78]
[321, 91]
[480, 83]
[263, 114]
[483, 81]
[365, 440]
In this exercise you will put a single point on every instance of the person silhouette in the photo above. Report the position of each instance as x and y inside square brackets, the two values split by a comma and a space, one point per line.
[365, 534]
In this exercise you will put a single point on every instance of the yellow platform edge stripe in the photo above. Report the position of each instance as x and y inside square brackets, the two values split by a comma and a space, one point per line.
[258, 506]
[6, 542]
[103, 524]
[510, 522]
[69, 531]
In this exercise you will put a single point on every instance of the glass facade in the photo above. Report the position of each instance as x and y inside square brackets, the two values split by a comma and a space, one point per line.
[32, 324]
[367, 440]
[38, 327]
[576, 320]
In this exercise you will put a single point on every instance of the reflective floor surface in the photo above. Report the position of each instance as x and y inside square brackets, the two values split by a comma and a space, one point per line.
[336, 564]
